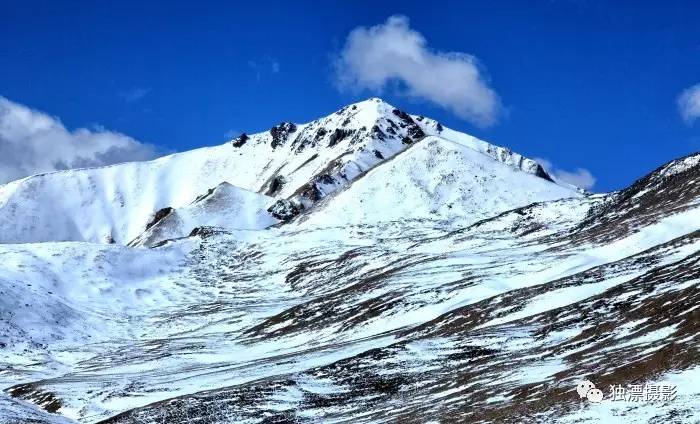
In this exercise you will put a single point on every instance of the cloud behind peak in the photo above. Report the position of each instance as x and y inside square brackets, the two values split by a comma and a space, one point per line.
[33, 142]
[689, 104]
[580, 177]
[375, 57]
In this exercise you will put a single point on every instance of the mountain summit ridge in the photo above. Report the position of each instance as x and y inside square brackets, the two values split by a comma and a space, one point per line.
[295, 164]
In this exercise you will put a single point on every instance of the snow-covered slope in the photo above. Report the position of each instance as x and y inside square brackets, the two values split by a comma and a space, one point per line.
[395, 321]
[419, 284]
[107, 204]
[300, 162]
[439, 179]
[225, 207]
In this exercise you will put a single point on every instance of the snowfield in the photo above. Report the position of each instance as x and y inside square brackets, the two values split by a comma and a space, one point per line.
[334, 272]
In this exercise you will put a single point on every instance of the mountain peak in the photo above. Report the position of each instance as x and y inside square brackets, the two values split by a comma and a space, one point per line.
[371, 102]
[366, 112]
[299, 164]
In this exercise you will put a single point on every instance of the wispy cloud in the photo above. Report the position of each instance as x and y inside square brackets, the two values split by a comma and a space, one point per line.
[376, 56]
[32, 142]
[264, 64]
[580, 177]
[134, 94]
[689, 104]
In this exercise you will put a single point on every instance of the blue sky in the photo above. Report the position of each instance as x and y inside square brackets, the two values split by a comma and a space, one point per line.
[584, 84]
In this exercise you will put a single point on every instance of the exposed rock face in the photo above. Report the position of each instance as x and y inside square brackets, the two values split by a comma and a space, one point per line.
[284, 209]
[276, 185]
[159, 215]
[204, 232]
[338, 135]
[414, 130]
[280, 133]
[540, 172]
[240, 140]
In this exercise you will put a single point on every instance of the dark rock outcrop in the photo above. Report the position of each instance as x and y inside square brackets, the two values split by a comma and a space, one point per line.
[275, 185]
[280, 133]
[338, 135]
[240, 140]
[284, 209]
[160, 214]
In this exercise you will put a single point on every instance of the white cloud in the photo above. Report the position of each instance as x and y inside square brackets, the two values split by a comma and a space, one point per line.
[689, 104]
[32, 142]
[580, 177]
[376, 56]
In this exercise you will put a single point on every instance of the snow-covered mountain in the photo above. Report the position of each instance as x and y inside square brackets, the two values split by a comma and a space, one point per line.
[297, 275]
[435, 179]
[225, 207]
[297, 164]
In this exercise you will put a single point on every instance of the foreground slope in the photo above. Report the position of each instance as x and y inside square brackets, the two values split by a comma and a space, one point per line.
[297, 163]
[399, 320]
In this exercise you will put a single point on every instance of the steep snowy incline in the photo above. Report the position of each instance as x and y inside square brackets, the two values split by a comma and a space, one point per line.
[303, 163]
[435, 179]
[225, 207]
[110, 204]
